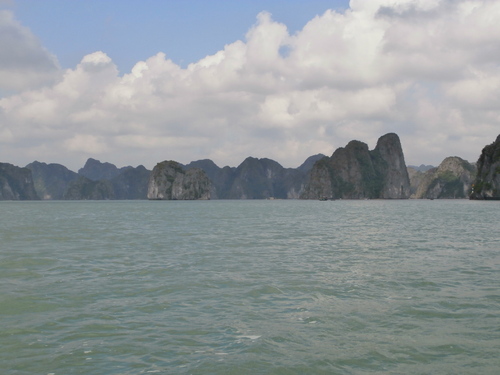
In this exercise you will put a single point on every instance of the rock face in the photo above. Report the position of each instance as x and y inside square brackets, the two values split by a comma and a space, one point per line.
[354, 172]
[389, 162]
[487, 182]
[51, 180]
[416, 178]
[16, 183]
[321, 183]
[451, 180]
[169, 181]
[84, 188]
[131, 183]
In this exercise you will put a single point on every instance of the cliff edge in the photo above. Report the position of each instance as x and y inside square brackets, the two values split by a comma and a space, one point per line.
[487, 182]
[16, 183]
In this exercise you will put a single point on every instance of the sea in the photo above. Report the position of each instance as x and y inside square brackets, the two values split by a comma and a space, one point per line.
[250, 287]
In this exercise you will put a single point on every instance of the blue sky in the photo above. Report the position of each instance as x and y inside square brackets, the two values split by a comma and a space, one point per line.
[130, 30]
[138, 82]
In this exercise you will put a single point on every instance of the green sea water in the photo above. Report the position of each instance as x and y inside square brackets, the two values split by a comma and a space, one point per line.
[250, 287]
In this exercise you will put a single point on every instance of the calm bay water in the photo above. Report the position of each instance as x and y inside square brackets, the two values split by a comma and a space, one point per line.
[250, 287]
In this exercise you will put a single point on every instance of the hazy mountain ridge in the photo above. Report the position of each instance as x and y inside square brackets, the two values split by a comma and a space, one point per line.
[96, 170]
[252, 179]
[421, 167]
[55, 181]
[352, 172]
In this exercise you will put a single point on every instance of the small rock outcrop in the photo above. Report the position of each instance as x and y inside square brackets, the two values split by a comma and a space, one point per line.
[355, 172]
[452, 179]
[16, 183]
[169, 181]
[487, 182]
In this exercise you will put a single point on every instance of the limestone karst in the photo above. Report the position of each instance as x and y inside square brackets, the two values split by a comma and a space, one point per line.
[355, 172]
[16, 183]
[452, 179]
[168, 181]
[352, 172]
[487, 182]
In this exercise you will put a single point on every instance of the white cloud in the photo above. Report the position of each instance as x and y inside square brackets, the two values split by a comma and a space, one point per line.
[85, 143]
[479, 90]
[427, 70]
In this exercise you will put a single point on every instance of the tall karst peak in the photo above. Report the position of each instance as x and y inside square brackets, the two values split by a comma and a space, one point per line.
[355, 172]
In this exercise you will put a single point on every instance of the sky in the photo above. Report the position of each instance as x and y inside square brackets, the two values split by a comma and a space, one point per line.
[137, 82]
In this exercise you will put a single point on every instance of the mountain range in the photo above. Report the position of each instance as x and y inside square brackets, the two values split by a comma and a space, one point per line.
[351, 172]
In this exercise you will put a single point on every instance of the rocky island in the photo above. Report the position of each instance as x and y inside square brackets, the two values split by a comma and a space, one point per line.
[352, 172]
[355, 172]
[168, 181]
[452, 179]
[487, 182]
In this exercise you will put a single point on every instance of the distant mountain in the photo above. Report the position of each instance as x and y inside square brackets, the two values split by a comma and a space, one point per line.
[51, 180]
[255, 179]
[110, 182]
[96, 181]
[131, 183]
[207, 165]
[95, 170]
[421, 167]
[16, 183]
[352, 172]
[264, 178]
[306, 166]
[355, 172]
[252, 179]
[487, 182]
[451, 180]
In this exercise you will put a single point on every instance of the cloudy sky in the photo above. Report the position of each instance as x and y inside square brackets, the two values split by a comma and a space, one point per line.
[137, 82]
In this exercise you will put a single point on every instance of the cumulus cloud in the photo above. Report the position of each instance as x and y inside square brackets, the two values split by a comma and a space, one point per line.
[24, 63]
[425, 69]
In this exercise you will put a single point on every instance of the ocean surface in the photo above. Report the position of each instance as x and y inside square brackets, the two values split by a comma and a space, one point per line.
[250, 287]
